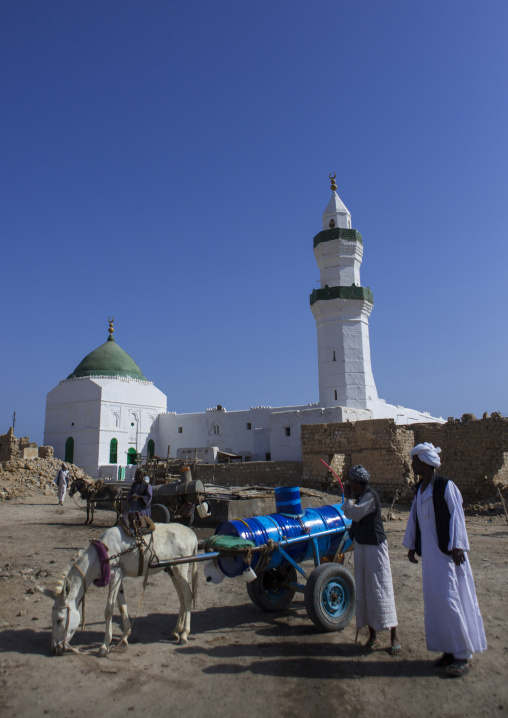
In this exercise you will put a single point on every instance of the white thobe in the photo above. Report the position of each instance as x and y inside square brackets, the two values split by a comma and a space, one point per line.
[61, 482]
[453, 623]
[375, 603]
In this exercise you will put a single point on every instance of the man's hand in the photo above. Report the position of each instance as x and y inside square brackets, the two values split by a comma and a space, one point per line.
[411, 555]
[458, 556]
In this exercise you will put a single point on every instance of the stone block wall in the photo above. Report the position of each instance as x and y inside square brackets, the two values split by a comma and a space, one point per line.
[474, 452]
[9, 446]
[378, 444]
[23, 448]
[46, 452]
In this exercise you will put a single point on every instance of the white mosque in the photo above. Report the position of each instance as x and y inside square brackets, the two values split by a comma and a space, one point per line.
[106, 412]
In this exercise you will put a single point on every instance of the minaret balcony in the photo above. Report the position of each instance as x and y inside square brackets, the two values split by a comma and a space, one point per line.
[349, 235]
[352, 292]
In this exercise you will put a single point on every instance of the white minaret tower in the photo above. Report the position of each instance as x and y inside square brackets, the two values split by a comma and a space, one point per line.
[341, 308]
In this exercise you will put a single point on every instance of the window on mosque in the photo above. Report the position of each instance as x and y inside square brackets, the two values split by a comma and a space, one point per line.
[180, 429]
[335, 394]
[151, 448]
[216, 429]
[333, 357]
[131, 457]
[69, 450]
[288, 430]
[249, 426]
[268, 456]
[113, 451]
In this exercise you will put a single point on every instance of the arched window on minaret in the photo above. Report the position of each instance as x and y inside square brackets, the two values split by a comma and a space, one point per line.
[331, 224]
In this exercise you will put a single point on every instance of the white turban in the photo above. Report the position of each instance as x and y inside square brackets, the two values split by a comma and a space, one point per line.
[428, 453]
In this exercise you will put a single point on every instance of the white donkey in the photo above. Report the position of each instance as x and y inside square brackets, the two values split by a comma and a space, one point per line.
[169, 541]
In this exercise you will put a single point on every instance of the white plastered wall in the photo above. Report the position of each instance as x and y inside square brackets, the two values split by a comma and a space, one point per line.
[94, 410]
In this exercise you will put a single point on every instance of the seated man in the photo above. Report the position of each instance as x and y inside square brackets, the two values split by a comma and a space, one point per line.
[140, 495]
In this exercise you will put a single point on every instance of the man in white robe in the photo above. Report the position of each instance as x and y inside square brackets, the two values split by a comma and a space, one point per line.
[436, 530]
[61, 481]
[375, 603]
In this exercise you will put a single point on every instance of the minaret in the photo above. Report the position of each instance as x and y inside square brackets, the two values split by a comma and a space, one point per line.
[341, 308]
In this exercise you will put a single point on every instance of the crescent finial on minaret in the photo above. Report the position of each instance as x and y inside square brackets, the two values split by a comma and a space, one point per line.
[332, 176]
[111, 329]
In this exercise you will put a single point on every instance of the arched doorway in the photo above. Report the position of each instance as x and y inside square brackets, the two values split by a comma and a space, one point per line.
[69, 450]
[131, 457]
[151, 448]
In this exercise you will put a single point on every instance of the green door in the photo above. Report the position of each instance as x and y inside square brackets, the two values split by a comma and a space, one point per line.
[69, 450]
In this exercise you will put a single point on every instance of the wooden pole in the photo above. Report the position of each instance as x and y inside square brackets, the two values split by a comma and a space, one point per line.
[504, 505]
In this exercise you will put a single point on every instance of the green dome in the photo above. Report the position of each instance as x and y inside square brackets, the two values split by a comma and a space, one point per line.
[108, 360]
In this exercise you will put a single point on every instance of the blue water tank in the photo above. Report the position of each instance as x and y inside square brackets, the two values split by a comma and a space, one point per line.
[278, 527]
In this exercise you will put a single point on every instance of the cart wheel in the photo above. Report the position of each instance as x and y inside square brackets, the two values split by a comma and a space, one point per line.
[265, 591]
[160, 514]
[330, 597]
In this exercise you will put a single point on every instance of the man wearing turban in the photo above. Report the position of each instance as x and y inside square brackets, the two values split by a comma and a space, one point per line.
[436, 531]
[375, 603]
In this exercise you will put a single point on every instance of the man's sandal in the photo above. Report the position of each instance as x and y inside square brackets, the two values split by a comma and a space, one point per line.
[444, 660]
[395, 650]
[372, 645]
[456, 669]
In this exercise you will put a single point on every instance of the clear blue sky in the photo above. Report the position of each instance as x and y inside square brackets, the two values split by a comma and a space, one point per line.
[167, 161]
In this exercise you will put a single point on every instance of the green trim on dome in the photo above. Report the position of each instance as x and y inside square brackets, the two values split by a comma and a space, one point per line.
[351, 235]
[342, 293]
[108, 360]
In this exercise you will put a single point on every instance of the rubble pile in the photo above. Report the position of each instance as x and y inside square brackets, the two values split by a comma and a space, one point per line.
[491, 506]
[20, 478]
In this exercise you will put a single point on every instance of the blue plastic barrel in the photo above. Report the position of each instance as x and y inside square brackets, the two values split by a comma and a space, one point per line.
[279, 527]
[287, 500]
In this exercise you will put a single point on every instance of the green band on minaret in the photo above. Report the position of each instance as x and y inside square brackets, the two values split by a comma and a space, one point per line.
[342, 293]
[350, 235]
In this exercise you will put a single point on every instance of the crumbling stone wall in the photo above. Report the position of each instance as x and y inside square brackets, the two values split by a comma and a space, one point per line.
[12, 448]
[46, 452]
[378, 444]
[474, 452]
[9, 446]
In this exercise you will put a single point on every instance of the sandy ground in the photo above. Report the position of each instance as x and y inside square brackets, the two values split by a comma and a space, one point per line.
[239, 661]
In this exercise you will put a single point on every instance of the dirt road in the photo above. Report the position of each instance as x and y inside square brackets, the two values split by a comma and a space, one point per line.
[239, 661]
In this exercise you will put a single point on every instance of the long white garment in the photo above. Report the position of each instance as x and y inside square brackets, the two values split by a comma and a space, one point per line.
[375, 603]
[61, 482]
[453, 623]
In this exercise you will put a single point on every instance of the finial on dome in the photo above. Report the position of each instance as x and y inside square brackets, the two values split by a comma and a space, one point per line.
[332, 176]
[111, 329]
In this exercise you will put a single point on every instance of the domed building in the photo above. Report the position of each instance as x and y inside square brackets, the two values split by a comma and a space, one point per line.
[104, 412]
